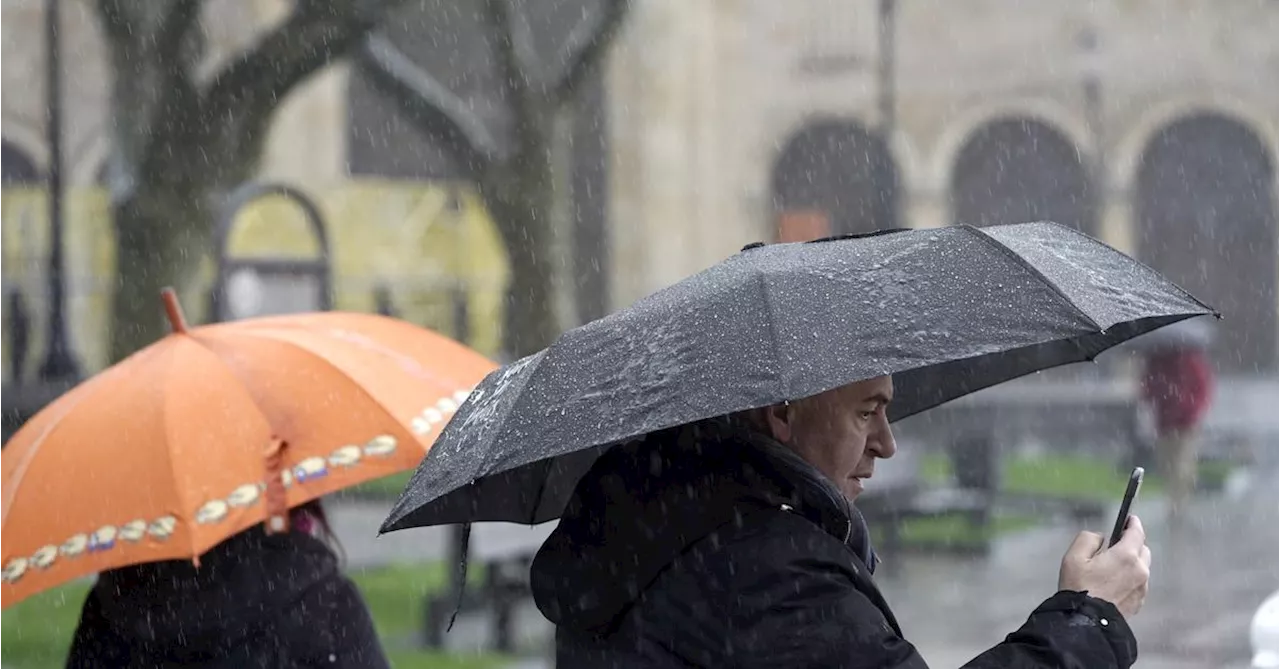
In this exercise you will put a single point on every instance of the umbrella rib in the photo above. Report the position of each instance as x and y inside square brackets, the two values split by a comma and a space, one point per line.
[771, 314]
[328, 363]
[168, 453]
[1035, 271]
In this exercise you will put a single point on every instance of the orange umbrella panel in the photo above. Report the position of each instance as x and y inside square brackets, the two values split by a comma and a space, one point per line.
[172, 451]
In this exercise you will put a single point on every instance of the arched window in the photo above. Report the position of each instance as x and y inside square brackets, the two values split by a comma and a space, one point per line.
[16, 167]
[841, 171]
[1018, 170]
[1206, 218]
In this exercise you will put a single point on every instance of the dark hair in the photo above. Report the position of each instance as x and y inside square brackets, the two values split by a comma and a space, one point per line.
[315, 510]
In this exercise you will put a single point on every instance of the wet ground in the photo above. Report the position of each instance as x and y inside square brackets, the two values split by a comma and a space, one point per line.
[1208, 578]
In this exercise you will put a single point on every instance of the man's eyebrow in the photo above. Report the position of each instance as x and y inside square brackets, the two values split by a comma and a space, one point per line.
[879, 398]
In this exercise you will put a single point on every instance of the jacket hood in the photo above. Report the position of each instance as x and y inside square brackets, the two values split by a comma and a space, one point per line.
[240, 584]
[644, 503]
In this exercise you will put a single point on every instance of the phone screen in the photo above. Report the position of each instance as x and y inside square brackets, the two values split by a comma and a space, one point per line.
[1130, 493]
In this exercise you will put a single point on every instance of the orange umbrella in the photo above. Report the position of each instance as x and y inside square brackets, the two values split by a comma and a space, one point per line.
[216, 428]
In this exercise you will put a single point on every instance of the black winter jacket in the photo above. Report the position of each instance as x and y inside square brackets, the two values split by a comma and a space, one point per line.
[255, 602]
[709, 546]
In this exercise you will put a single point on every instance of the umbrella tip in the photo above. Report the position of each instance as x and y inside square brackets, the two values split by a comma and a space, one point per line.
[173, 310]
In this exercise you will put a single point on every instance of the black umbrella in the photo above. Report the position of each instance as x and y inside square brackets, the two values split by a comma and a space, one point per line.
[947, 311]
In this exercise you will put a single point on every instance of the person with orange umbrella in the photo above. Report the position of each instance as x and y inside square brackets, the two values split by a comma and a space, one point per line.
[189, 455]
[258, 599]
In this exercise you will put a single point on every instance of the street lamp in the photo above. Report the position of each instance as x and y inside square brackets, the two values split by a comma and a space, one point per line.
[59, 364]
[888, 101]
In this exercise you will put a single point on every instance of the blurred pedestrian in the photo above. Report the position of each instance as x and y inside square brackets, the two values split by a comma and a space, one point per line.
[256, 601]
[1177, 387]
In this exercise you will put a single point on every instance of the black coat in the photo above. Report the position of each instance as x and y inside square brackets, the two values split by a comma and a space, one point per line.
[712, 547]
[255, 602]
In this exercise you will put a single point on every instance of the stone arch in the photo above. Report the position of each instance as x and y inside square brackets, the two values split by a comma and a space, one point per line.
[17, 167]
[26, 137]
[841, 169]
[939, 173]
[1013, 170]
[1206, 217]
[1125, 159]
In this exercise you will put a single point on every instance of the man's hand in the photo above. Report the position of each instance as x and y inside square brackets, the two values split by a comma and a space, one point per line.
[1118, 574]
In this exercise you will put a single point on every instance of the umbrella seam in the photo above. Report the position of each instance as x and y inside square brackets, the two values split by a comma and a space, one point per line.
[542, 488]
[1035, 271]
[328, 363]
[388, 524]
[489, 448]
[772, 317]
[173, 468]
[325, 361]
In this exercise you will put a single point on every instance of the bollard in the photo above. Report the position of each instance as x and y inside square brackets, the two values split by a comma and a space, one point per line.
[1265, 633]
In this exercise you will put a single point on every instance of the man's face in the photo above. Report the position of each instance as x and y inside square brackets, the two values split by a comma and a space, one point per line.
[840, 432]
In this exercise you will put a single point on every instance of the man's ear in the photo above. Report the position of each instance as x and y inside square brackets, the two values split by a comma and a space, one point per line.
[778, 420]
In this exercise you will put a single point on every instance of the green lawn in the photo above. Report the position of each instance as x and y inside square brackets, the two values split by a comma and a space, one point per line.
[1072, 476]
[36, 632]
[1069, 477]
[385, 488]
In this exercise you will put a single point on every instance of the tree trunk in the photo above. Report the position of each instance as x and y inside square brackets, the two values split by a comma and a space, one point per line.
[530, 319]
[159, 240]
[522, 196]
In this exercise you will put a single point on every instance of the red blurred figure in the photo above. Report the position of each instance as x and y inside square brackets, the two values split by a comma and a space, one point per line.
[1177, 385]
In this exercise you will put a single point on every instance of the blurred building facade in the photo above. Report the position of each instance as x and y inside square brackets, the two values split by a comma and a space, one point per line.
[1151, 124]
[419, 238]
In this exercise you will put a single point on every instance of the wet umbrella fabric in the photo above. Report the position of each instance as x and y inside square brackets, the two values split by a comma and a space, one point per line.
[947, 311]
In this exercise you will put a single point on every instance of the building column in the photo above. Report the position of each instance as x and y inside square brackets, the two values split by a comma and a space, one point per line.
[924, 209]
[1115, 222]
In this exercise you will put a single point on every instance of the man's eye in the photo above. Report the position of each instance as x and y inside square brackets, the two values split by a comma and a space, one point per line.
[867, 415]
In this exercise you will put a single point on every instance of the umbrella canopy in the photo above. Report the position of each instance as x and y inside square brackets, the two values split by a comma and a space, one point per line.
[213, 429]
[947, 311]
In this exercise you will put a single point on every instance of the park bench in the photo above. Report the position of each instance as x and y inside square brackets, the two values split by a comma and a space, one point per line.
[498, 613]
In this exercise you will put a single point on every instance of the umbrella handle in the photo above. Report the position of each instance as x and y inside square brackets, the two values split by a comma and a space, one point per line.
[173, 309]
[276, 497]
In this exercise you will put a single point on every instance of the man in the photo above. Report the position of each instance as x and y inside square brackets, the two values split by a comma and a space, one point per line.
[733, 542]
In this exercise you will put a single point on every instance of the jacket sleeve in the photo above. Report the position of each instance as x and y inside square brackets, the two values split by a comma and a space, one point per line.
[793, 608]
[344, 639]
[1070, 630]
[94, 645]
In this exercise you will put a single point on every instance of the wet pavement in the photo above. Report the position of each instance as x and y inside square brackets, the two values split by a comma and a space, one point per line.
[1208, 577]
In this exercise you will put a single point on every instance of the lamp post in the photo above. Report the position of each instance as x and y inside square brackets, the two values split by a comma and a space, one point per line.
[59, 364]
[1091, 74]
[887, 34]
[888, 100]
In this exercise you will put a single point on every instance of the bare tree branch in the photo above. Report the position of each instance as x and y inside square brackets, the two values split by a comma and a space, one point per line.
[316, 34]
[587, 44]
[517, 84]
[177, 23]
[433, 107]
[114, 22]
[526, 55]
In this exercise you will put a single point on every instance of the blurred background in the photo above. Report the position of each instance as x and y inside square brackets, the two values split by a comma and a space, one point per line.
[502, 171]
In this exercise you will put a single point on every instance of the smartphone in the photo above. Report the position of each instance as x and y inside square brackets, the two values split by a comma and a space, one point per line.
[1130, 494]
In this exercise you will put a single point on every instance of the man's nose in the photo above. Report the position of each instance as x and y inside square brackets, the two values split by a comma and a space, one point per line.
[882, 443]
